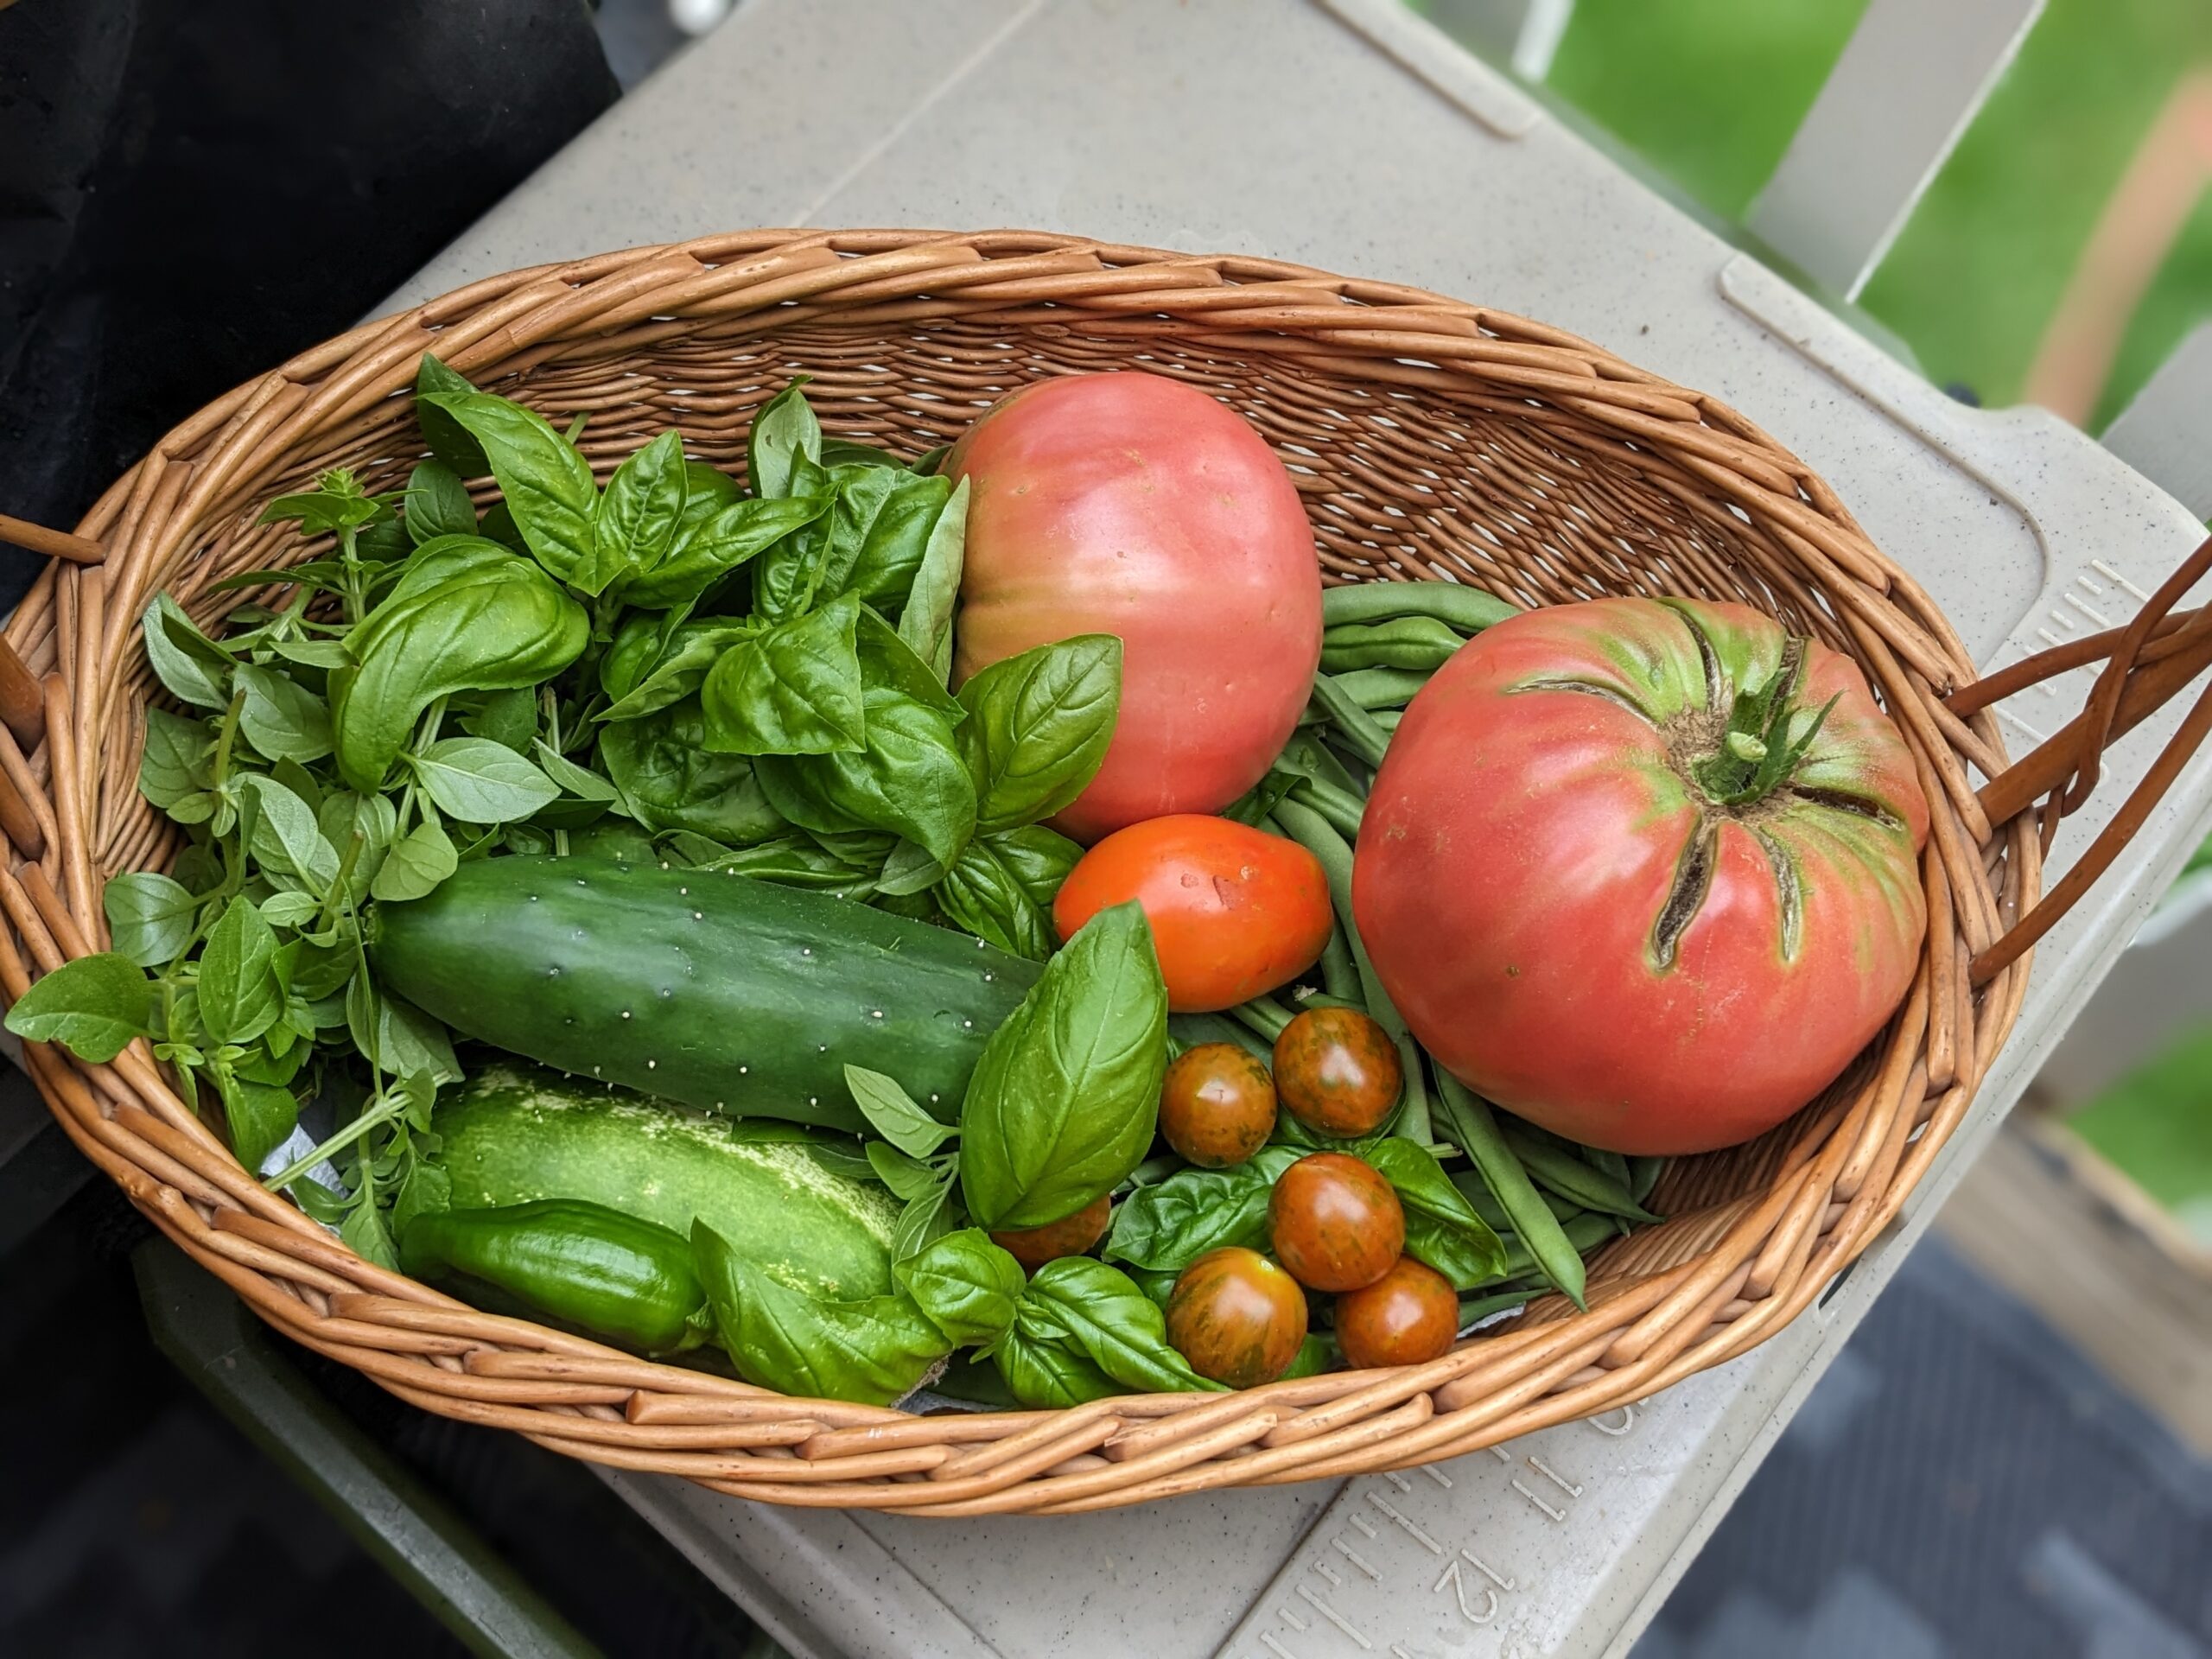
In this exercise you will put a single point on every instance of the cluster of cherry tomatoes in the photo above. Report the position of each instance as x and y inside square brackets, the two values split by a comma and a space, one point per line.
[1334, 1224]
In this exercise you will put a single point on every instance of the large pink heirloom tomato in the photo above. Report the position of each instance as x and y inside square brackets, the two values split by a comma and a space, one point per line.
[1133, 505]
[1623, 878]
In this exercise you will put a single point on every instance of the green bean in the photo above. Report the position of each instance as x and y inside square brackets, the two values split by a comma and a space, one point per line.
[1381, 687]
[1313, 832]
[1607, 1163]
[1469, 1122]
[1409, 642]
[1475, 1309]
[1264, 1014]
[1468, 609]
[1307, 755]
[1367, 739]
[1570, 1177]
[1338, 974]
[1644, 1174]
[1306, 997]
[1387, 719]
[1340, 807]
[1187, 1030]
[1475, 1191]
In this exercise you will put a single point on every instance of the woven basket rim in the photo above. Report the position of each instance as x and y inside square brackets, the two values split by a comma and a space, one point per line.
[1834, 1181]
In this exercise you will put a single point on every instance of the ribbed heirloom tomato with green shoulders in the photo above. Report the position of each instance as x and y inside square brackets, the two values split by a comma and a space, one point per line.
[1644, 872]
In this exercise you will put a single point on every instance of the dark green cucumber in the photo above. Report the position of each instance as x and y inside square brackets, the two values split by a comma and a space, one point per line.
[521, 1134]
[724, 993]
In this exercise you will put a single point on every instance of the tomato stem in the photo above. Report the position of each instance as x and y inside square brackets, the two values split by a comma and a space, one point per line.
[1756, 755]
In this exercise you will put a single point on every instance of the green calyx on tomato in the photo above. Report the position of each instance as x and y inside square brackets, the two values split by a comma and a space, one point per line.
[1756, 754]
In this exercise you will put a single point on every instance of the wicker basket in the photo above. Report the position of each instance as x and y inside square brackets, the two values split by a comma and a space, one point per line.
[1430, 438]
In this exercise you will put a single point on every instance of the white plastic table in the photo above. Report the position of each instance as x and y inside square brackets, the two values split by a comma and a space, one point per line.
[1349, 135]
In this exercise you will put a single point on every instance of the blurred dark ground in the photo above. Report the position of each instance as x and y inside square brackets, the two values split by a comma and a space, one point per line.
[191, 191]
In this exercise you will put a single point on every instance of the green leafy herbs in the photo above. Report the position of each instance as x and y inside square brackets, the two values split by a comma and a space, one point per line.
[1038, 728]
[959, 1290]
[1065, 1098]
[1166, 1226]
[1083, 1331]
[96, 1005]
[1442, 1229]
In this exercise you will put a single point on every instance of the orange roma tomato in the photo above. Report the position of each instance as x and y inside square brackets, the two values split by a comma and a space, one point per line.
[1234, 911]
[1336, 1070]
[1335, 1223]
[1407, 1317]
[1217, 1105]
[1071, 1236]
[1236, 1317]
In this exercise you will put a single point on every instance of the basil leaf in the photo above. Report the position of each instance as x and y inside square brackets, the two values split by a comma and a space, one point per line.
[907, 869]
[921, 1221]
[879, 530]
[1038, 728]
[842, 452]
[548, 486]
[797, 861]
[964, 1285]
[1038, 858]
[888, 663]
[1168, 1225]
[95, 1005]
[670, 780]
[980, 895]
[907, 780]
[503, 625]
[337, 502]
[150, 917]
[783, 431]
[286, 840]
[907, 1177]
[1441, 1227]
[584, 784]
[436, 504]
[175, 763]
[479, 781]
[447, 439]
[397, 1036]
[282, 720]
[365, 1234]
[373, 817]
[1100, 1311]
[792, 689]
[239, 995]
[1457, 1256]
[194, 667]
[874, 1350]
[892, 1112]
[1050, 1373]
[707, 549]
[670, 669]
[261, 1116]
[925, 620]
[1064, 1100]
[508, 716]
[418, 862]
[442, 558]
[291, 908]
[634, 524]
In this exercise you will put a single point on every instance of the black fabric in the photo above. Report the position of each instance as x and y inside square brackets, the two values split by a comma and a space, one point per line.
[192, 190]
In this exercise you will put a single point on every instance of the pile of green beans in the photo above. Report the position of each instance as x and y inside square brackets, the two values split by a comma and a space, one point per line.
[1551, 1201]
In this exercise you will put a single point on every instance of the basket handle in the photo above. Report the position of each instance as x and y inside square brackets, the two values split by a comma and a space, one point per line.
[2146, 665]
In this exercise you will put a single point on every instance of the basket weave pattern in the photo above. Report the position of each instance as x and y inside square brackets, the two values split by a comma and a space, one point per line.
[1429, 438]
